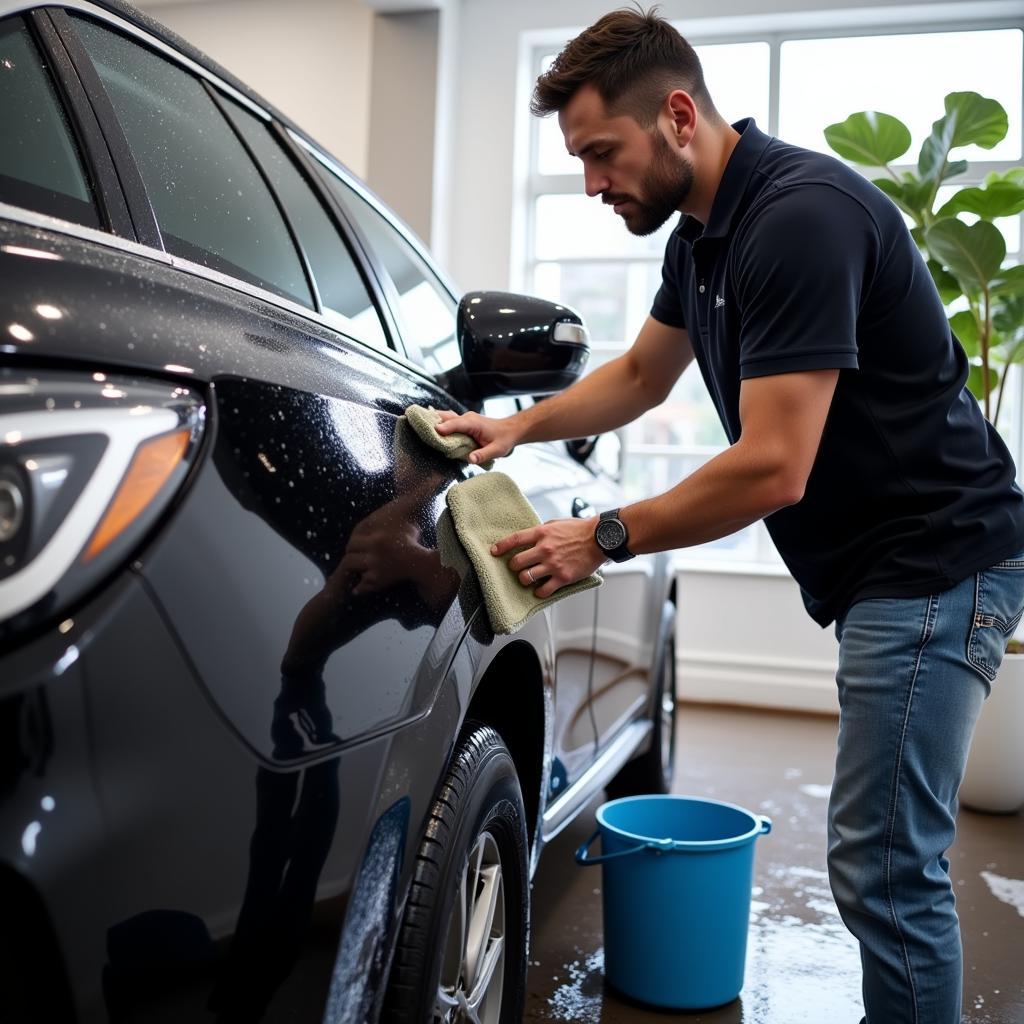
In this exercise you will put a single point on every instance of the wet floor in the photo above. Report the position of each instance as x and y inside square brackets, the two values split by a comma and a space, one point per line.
[802, 965]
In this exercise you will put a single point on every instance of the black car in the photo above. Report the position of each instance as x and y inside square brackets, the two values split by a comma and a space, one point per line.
[261, 755]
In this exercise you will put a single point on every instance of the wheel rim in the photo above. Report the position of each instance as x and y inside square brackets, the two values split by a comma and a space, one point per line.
[473, 969]
[668, 714]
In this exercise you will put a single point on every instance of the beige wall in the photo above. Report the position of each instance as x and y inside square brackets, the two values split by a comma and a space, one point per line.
[310, 58]
[403, 114]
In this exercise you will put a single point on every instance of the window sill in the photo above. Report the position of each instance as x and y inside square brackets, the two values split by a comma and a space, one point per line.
[682, 563]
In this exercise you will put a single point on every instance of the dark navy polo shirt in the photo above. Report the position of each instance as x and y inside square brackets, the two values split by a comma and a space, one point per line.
[805, 265]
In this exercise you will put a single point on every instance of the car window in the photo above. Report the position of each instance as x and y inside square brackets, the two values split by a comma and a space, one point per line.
[209, 199]
[426, 311]
[343, 295]
[39, 165]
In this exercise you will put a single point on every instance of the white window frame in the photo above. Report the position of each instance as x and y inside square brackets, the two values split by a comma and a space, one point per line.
[774, 30]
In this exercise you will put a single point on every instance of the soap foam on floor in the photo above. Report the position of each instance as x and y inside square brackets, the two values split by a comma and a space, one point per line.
[1008, 890]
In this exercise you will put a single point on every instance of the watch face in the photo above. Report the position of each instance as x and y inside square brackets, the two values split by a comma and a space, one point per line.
[610, 534]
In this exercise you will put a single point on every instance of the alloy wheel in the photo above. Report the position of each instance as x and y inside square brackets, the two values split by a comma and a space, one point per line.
[472, 973]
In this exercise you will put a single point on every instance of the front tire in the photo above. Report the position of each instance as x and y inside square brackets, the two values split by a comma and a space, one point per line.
[461, 951]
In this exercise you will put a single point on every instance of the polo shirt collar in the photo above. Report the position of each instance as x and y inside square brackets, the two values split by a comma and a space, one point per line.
[738, 171]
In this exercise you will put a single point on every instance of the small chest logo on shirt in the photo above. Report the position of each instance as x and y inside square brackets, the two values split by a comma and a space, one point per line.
[719, 301]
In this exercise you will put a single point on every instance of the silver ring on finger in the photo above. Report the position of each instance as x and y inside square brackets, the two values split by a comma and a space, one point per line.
[529, 572]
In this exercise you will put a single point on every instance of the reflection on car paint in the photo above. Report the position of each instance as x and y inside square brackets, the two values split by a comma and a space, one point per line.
[342, 502]
[296, 817]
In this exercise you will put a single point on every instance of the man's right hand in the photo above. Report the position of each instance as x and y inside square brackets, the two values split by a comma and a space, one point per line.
[494, 437]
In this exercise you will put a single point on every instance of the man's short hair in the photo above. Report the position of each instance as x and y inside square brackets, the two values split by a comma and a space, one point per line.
[634, 59]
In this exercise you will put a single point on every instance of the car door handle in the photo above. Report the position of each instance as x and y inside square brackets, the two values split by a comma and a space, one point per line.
[582, 509]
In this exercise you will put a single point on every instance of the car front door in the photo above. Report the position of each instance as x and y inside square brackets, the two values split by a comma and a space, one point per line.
[555, 485]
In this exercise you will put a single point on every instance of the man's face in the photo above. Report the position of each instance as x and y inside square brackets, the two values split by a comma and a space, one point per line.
[633, 169]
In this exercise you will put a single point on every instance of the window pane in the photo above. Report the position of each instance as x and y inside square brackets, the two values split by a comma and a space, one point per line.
[687, 418]
[597, 291]
[425, 309]
[342, 291]
[582, 226]
[614, 297]
[909, 77]
[736, 75]
[647, 475]
[552, 157]
[1011, 420]
[39, 166]
[210, 201]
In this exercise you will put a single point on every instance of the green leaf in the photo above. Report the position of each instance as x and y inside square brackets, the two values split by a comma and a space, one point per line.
[975, 378]
[1015, 175]
[953, 168]
[977, 121]
[918, 196]
[897, 193]
[970, 119]
[947, 285]
[965, 327]
[869, 138]
[1009, 281]
[893, 189]
[1008, 315]
[972, 254]
[911, 195]
[999, 199]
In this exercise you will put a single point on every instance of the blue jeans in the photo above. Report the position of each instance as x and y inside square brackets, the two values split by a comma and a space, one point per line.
[913, 674]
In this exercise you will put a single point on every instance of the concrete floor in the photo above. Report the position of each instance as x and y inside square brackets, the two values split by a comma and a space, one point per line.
[802, 966]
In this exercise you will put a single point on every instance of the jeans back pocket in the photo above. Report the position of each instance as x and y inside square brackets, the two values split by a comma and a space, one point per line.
[998, 605]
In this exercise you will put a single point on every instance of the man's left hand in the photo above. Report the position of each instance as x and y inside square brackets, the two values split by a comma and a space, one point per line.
[556, 553]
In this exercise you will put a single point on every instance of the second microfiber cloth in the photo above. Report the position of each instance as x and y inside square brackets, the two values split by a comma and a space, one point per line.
[485, 508]
[455, 446]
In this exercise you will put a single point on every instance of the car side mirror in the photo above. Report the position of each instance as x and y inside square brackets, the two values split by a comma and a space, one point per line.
[517, 345]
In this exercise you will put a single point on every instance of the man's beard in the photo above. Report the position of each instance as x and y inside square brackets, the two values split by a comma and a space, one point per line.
[664, 188]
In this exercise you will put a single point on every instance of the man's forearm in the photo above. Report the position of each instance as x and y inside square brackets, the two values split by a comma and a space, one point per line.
[606, 399]
[731, 491]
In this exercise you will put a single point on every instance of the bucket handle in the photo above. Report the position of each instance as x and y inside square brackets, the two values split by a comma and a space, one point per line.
[658, 845]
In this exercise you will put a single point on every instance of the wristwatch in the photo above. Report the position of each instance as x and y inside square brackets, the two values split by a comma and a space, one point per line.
[611, 536]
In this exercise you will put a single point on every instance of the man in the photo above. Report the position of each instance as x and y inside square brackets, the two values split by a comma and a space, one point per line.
[827, 353]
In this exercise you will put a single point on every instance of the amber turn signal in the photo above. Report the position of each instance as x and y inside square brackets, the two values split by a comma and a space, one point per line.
[150, 468]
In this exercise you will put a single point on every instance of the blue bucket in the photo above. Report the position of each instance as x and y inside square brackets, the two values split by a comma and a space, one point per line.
[676, 896]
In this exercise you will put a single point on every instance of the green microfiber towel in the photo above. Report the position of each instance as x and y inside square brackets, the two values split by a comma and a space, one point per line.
[485, 508]
[455, 446]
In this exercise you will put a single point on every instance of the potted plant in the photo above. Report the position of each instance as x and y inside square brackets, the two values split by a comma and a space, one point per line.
[985, 304]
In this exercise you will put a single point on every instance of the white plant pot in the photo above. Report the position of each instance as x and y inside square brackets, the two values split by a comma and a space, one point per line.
[994, 780]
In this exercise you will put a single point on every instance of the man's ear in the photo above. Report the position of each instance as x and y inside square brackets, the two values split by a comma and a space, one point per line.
[681, 112]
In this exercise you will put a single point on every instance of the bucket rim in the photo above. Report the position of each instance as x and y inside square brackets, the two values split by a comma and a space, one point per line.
[757, 823]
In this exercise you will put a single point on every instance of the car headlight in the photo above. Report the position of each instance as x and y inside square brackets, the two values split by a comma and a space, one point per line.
[87, 464]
